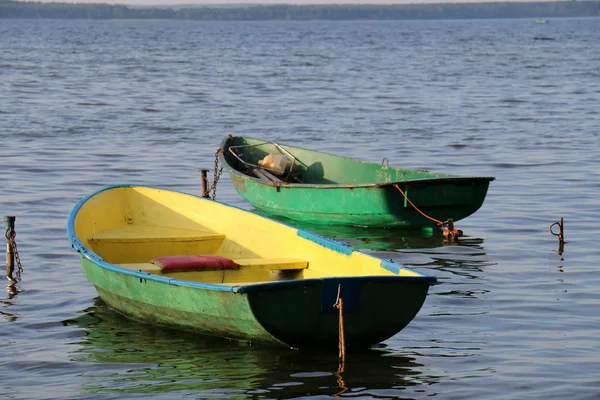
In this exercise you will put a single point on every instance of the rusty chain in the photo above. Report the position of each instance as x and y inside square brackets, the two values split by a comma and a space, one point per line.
[217, 175]
[10, 235]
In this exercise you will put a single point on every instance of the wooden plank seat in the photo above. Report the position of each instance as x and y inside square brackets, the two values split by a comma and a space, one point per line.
[140, 243]
[268, 264]
[147, 233]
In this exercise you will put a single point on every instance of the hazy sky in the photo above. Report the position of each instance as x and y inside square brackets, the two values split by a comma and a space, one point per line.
[299, 2]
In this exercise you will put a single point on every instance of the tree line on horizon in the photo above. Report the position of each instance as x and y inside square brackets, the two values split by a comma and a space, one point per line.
[554, 9]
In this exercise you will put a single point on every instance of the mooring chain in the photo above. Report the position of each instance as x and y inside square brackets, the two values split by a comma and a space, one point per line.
[217, 175]
[10, 235]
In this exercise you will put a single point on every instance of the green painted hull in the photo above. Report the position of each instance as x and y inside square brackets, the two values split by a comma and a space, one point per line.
[297, 314]
[155, 301]
[341, 191]
[282, 291]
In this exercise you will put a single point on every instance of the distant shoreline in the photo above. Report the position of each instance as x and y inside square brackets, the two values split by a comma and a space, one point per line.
[262, 12]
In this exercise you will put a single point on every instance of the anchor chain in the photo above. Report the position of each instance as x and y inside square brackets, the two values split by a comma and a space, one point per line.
[10, 236]
[217, 175]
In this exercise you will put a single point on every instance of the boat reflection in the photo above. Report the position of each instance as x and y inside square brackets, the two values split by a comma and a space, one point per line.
[426, 250]
[375, 238]
[133, 358]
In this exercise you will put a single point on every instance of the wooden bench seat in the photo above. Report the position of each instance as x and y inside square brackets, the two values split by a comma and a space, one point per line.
[257, 270]
[140, 243]
[145, 233]
[270, 264]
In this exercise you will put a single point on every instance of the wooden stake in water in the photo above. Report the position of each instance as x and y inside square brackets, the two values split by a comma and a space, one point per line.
[205, 193]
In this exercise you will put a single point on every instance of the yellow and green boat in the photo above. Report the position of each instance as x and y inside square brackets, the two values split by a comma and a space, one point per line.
[321, 188]
[187, 262]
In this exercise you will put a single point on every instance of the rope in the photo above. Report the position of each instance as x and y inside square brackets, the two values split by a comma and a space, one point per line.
[440, 223]
[448, 230]
[339, 304]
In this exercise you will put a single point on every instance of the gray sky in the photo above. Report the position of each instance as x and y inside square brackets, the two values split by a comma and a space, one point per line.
[299, 2]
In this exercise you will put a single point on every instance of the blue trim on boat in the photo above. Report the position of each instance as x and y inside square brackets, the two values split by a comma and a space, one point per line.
[391, 266]
[326, 242]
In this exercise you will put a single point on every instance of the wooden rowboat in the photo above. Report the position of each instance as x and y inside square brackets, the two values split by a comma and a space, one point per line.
[322, 188]
[183, 261]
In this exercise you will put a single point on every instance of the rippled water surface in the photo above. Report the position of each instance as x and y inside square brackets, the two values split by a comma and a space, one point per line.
[84, 104]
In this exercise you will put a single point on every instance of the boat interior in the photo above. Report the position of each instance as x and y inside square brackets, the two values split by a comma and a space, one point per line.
[140, 248]
[186, 237]
[302, 166]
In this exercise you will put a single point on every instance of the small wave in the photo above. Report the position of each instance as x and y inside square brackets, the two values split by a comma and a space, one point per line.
[507, 165]
[92, 103]
[512, 101]
[458, 145]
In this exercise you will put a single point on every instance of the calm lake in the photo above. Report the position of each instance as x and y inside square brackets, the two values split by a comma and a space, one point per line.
[86, 104]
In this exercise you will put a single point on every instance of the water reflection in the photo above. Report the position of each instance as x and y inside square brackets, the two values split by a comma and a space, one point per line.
[461, 263]
[381, 239]
[12, 290]
[376, 238]
[134, 358]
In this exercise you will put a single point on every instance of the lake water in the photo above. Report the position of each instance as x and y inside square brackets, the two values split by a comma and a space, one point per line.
[85, 104]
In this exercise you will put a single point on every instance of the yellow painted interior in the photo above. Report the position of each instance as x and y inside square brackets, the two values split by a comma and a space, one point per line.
[129, 226]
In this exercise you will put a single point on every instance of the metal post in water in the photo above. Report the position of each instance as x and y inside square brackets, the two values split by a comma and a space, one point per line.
[560, 235]
[204, 183]
[9, 221]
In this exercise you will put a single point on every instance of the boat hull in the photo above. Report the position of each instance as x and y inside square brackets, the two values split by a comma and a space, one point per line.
[298, 314]
[376, 206]
[147, 299]
[336, 190]
[282, 291]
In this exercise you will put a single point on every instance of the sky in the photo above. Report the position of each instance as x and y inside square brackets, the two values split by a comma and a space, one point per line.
[299, 2]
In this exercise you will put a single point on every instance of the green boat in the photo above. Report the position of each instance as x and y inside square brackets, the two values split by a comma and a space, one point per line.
[321, 188]
[186, 262]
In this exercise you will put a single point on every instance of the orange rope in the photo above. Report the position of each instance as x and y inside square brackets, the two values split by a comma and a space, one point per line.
[440, 223]
[339, 304]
